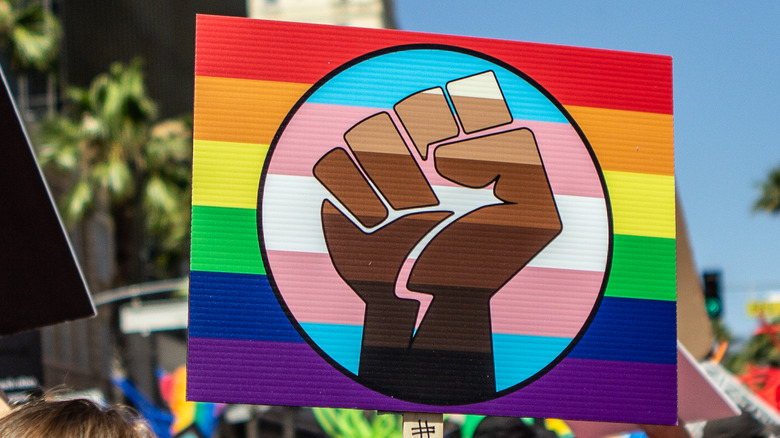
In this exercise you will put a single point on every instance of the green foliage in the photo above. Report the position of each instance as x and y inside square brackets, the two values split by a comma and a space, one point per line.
[769, 200]
[30, 34]
[166, 197]
[351, 423]
[720, 330]
[114, 154]
[759, 350]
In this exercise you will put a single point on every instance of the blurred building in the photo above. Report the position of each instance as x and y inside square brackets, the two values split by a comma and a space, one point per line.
[81, 355]
[162, 33]
[359, 13]
[95, 35]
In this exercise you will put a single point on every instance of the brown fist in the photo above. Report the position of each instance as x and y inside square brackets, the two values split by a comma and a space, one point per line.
[388, 211]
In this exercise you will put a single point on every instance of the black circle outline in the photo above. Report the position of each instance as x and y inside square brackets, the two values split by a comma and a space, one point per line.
[442, 47]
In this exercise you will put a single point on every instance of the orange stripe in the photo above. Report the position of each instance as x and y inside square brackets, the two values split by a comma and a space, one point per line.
[250, 111]
[240, 110]
[628, 141]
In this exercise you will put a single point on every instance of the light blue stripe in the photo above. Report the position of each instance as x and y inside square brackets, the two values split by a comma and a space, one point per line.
[340, 342]
[518, 357]
[382, 81]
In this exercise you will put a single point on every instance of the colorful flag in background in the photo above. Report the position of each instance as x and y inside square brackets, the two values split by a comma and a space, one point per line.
[159, 419]
[205, 416]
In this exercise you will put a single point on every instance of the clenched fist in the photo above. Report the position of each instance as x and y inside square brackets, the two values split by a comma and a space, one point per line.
[388, 216]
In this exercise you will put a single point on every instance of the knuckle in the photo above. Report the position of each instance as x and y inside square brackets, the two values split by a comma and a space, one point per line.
[427, 118]
[479, 102]
[382, 153]
[338, 173]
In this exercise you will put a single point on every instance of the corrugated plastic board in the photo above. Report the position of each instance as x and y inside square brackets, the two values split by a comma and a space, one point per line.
[565, 345]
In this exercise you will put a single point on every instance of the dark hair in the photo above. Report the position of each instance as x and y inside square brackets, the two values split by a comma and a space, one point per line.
[78, 418]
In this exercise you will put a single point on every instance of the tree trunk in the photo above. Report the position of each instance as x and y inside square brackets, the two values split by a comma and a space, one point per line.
[128, 245]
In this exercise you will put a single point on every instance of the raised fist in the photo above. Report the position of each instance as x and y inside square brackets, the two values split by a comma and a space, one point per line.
[389, 216]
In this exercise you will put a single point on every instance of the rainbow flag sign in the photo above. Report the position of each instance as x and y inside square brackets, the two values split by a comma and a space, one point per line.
[424, 223]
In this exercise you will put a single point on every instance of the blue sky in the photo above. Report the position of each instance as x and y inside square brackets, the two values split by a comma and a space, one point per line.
[726, 60]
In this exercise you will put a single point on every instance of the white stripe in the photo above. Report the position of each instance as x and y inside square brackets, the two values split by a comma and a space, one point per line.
[291, 214]
[291, 221]
[583, 243]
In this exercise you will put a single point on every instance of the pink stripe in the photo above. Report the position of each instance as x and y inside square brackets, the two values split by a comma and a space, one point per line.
[319, 295]
[568, 164]
[538, 301]
[315, 130]
[318, 128]
[545, 302]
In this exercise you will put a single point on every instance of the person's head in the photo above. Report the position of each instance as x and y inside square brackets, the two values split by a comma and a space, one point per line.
[78, 418]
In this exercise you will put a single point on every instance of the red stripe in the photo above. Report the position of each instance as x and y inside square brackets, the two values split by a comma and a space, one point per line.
[269, 50]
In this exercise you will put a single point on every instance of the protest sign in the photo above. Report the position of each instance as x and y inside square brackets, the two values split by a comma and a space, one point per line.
[425, 223]
[40, 279]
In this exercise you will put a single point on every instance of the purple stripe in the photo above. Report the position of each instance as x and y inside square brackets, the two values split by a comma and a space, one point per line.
[277, 373]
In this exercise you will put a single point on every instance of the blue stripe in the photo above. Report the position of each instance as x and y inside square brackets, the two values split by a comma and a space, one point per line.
[518, 357]
[243, 306]
[628, 329]
[237, 306]
[382, 81]
[341, 342]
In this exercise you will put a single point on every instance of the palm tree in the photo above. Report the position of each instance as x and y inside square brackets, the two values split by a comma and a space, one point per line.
[30, 33]
[118, 159]
[29, 37]
[769, 201]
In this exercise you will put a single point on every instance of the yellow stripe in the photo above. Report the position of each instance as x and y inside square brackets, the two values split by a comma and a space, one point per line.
[242, 110]
[642, 204]
[628, 141]
[226, 174]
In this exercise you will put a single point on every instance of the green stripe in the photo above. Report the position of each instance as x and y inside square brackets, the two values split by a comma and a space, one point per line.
[643, 267]
[225, 240]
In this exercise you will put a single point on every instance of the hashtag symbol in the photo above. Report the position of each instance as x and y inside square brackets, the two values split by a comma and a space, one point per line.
[423, 431]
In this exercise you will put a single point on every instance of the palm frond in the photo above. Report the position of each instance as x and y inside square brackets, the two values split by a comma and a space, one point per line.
[109, 143]
[769, 199]
[114, 178]
[7, 19]
[34, 38]
[79, 202]
[58, 145]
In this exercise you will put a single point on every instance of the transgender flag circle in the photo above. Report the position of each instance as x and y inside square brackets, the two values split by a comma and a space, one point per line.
[455, 182]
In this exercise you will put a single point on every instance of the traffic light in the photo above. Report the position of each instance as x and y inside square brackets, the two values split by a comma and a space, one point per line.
[712, 300]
